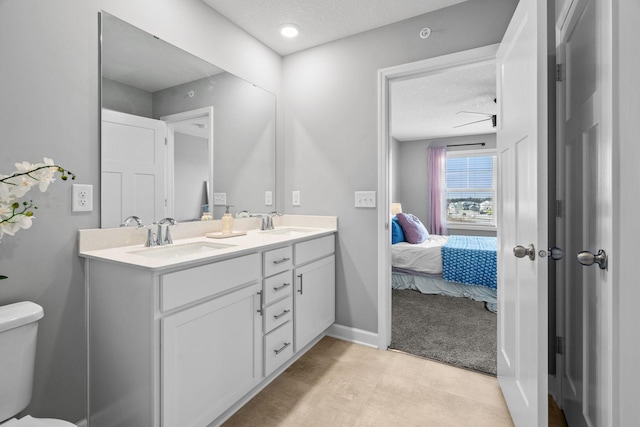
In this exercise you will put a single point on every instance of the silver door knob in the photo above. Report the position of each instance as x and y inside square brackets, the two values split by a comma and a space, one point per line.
[587, 258]
[521, 252]
[555, 253]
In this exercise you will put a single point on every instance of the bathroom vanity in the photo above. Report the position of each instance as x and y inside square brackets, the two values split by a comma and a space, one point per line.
[183, 335]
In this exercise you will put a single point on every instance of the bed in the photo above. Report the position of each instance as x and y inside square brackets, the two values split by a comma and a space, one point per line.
[459, 266]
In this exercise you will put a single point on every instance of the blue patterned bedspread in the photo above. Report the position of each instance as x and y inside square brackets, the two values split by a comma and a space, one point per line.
[470, 260]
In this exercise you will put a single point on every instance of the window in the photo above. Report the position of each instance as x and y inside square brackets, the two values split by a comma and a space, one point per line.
[470, 189]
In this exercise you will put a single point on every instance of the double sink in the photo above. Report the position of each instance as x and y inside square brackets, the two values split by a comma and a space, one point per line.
[193, 248]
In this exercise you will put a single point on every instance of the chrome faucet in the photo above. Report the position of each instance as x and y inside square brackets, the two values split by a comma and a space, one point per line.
[264, 218]
[270, 215]
[131, 219]
[167, 237]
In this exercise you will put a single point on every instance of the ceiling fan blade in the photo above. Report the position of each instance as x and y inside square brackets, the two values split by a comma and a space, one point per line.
[470, 123]
[473, 112]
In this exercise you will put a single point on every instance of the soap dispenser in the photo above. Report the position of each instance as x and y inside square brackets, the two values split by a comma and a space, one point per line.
[227, 221]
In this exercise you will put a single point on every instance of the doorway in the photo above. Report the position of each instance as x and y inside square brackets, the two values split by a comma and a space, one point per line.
[405, 71]
[450, 114]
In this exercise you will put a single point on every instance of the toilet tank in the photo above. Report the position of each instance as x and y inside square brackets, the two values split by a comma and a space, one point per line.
[18, 333]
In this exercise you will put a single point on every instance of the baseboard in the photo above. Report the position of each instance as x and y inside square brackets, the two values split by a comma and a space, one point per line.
[354, 335]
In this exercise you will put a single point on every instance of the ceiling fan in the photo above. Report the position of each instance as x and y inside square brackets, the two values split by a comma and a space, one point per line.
[488, 116]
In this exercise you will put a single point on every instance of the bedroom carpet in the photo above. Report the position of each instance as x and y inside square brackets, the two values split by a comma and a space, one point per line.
[457, 331]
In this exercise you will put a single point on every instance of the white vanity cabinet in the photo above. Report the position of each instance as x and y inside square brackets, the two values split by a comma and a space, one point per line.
[278, 308]
[211, 357]
[186, 346]
[315, 289]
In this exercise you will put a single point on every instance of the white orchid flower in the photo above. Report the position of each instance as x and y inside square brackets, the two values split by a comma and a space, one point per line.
[24, 221]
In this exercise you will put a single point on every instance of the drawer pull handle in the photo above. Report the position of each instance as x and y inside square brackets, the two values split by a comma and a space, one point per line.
[277, 316]
[280, 261]
[281, 349]
[279, 288]
[300, 277]
[261, 302]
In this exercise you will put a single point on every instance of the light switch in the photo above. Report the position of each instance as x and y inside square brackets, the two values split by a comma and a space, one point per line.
[220, 199]
[365, 199]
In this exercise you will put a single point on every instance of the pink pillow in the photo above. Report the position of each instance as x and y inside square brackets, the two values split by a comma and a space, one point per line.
[414, 231]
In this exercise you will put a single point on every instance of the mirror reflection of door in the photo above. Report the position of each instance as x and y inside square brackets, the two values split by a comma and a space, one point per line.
[189, 163]
[133, 168]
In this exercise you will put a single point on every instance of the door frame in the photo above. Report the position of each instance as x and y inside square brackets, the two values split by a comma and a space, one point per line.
[172, 120]
[425, 67]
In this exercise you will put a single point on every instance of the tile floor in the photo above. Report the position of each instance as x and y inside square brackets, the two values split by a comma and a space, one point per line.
[338, 383]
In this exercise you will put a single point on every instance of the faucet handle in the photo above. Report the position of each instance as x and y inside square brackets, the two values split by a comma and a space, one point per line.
[167, 220]
[167, 236]
[150, 240]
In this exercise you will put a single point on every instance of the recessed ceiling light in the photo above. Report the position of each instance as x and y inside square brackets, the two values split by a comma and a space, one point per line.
[289, 30]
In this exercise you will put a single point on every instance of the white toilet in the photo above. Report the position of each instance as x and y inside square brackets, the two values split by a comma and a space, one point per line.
[18, 334]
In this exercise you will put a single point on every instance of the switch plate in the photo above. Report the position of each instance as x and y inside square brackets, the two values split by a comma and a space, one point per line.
[365, 199]
[295, 198]
[219, 199]
[82, 198]
[268, 198]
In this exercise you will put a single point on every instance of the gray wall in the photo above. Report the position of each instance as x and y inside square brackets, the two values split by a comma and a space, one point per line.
[411, 175]
[331, 130]
[243, 136]
[118, 96]
[49, 107]
[626, 178]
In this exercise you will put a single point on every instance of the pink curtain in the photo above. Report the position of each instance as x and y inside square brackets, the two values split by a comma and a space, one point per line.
[436, 164]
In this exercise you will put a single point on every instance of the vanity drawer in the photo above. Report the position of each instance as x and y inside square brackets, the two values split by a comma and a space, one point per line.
[278, 286]
[278, 347]
[185, 286]
[314, 249]
[277, 260]
[277, 314]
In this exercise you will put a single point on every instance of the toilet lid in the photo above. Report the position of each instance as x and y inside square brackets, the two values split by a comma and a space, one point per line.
[29, 421]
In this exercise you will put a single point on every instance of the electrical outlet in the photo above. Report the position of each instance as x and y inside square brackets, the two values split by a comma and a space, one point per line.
[295, 198]
[268, 198]
[82, 198]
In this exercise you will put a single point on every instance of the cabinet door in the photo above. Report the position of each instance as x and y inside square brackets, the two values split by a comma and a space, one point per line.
[211, 357]
[315, 295]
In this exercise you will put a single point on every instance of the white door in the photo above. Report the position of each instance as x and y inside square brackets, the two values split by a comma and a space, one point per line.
[584, 122]
[133, 168]
[522, 197]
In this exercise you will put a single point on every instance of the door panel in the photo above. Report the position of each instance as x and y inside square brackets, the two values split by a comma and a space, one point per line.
[523, 209]
[585, 129]
[133, 168]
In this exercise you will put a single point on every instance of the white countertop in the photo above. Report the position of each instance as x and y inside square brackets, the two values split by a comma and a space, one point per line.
[254, 241]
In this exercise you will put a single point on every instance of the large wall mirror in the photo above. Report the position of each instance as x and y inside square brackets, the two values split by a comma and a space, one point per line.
[178, 133]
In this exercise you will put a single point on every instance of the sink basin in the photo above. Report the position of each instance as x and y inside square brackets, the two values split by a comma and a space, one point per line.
[290, 231]
[186, 249]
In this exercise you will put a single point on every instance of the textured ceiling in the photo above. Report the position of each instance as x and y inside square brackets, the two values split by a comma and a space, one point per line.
[421, 108]
[433, 106]
[320, 21]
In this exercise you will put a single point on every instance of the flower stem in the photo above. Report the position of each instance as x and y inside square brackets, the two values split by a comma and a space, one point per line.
[63, 173]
